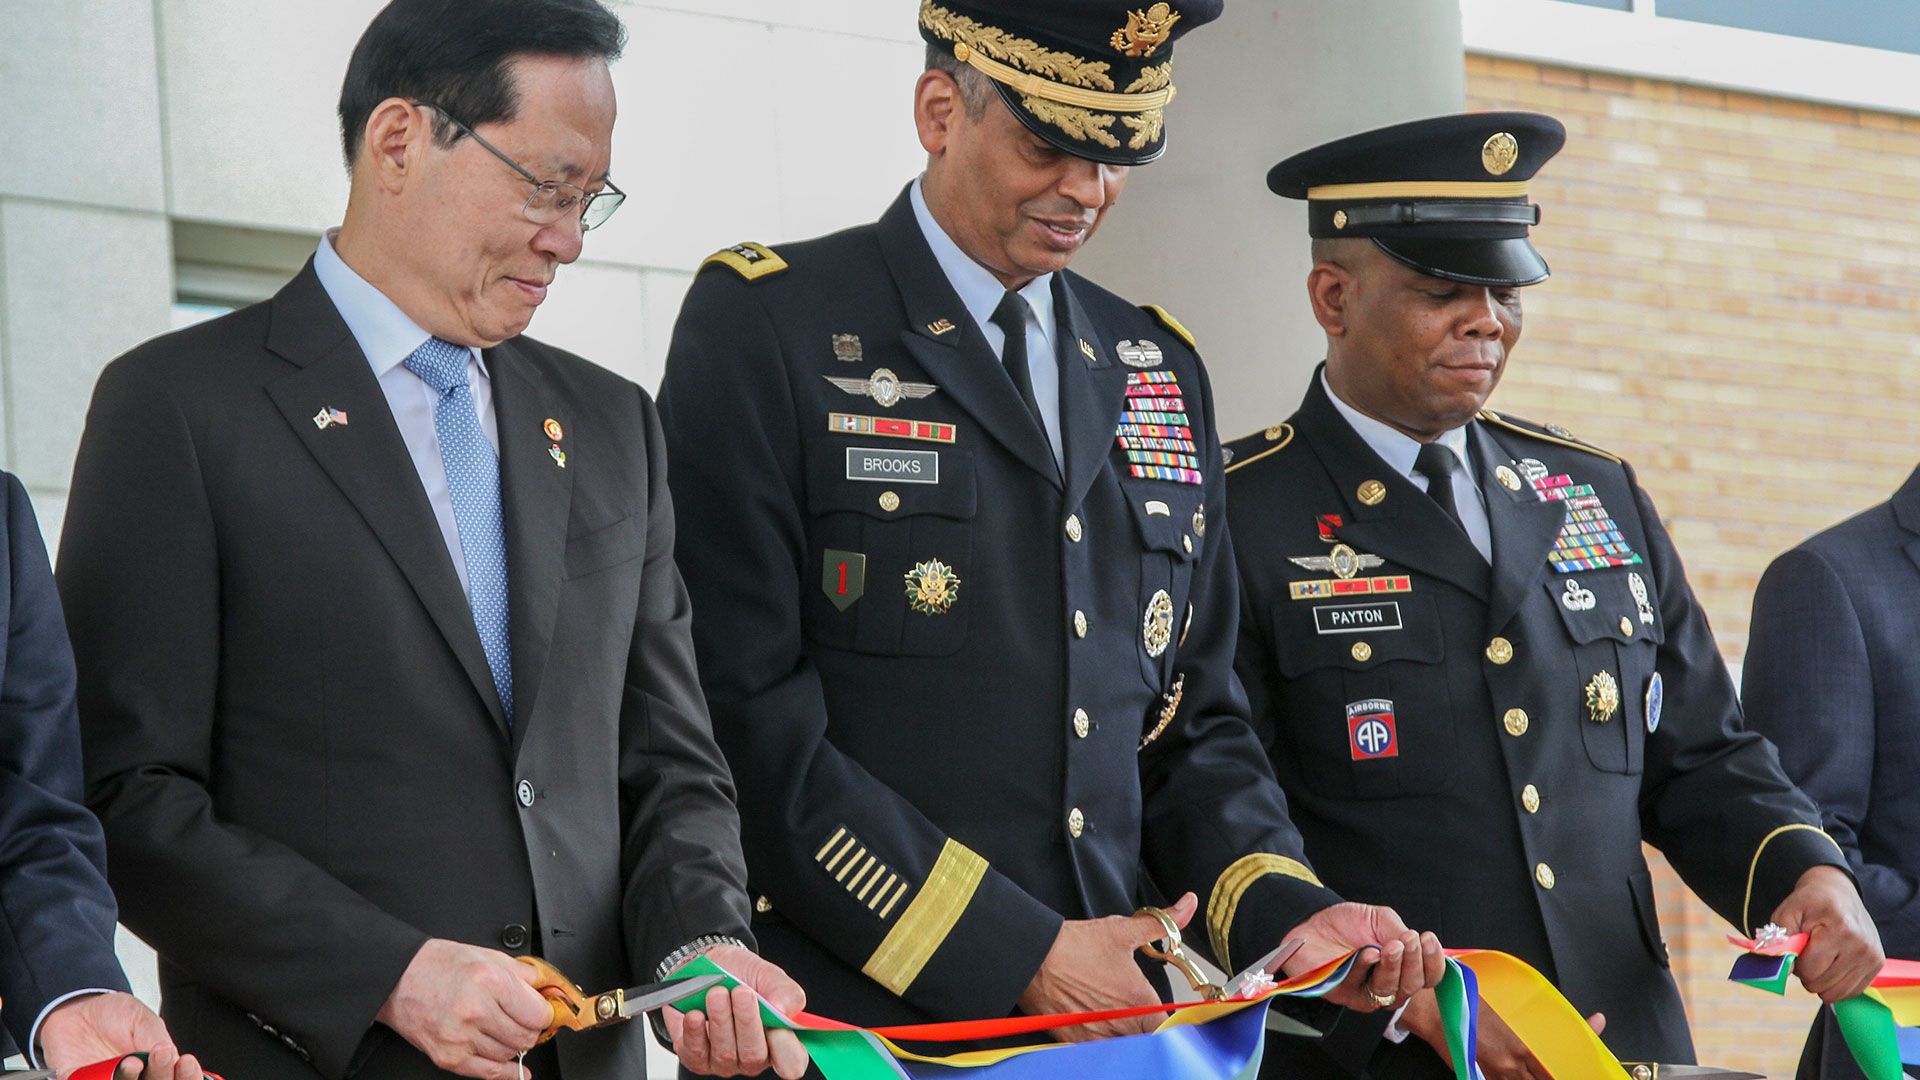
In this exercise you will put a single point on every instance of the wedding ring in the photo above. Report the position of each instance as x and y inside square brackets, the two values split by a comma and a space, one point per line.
[1384, 1001]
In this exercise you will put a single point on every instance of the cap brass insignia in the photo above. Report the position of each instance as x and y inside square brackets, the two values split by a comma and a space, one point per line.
[884, 387]
[1500, 153]
[1507, 477]
[1146, 30]
[1156, 627]
[1343, 561]
[1603, 697]
[932, 587]
[846, 348]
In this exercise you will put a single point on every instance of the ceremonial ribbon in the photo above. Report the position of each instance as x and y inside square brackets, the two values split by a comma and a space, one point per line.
[1881, 1027]
[103, 1070]
[1200, 1040]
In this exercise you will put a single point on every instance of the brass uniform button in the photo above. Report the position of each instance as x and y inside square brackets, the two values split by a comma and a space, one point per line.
[889, 501]
[1371, 492]
[763, 905]
[1530, 798]
[1074, 531]
[1079, 624]
[1362, 651]
[1499, 650]
[1082, 724]
[1544, 875]
[1516, 721]
[1626, 626]
[1076, 823]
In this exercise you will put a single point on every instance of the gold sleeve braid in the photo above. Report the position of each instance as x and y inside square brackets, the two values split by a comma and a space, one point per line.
[927, 921]
[1233, 883]
[1753, 868]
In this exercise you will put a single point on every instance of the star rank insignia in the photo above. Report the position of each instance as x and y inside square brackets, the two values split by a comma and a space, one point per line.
[932, 587]
[884, 387]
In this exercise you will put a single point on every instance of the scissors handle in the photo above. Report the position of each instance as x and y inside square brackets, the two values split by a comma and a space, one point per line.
[1170, 950]
[571, 1006]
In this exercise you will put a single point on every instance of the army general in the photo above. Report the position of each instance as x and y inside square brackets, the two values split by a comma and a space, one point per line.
[1468, 640]
[951, 521]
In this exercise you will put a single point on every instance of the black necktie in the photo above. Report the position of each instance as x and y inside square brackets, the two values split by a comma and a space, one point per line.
[1011, 316]
[1435, 462]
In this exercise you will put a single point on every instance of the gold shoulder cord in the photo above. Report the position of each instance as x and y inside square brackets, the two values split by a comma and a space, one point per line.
[1492, 417]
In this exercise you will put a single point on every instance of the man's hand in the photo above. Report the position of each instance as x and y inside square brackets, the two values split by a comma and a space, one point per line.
[472, 1010]
[1843, 951]
[101, 1027]
[729, 1038]
[1398, 964]
[1091, 967]
[1501, 1054]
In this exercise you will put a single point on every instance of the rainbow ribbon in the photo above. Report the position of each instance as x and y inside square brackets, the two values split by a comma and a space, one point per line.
[1881, 1026]
[1214, 1040]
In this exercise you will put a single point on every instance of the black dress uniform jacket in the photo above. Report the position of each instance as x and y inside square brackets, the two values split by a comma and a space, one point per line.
[980, 762]
[1507, 816]
[292, 735]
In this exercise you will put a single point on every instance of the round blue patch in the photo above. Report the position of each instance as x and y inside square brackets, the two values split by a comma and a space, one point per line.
[1656, 696]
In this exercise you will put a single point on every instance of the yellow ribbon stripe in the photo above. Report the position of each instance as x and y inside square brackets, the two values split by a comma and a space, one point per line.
[928, 919]
[1233, 883]
[1544, 1020]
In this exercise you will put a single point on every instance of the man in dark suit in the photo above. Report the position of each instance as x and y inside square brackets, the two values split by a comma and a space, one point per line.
[1830, 678]
[386, 677]
[952, 524]
[62, 994]
[1470, 644]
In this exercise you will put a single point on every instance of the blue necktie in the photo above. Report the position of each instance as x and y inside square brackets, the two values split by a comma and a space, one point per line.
[473, 477]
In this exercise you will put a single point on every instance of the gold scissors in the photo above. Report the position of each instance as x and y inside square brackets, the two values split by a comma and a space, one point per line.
[573, 1008]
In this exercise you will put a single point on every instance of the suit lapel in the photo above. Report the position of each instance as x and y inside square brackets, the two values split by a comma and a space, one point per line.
[536, 494]
[1093, 392]
[1406, 525]
[369, 462]
[950, 346]
[1524, 528]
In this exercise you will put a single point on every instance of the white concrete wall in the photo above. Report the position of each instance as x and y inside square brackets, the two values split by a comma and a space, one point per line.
[762, 120]
[1198, 233]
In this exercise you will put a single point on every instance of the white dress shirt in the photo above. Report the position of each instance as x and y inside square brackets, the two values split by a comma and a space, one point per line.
[387, 337]
[980, 292]
[1399, 450]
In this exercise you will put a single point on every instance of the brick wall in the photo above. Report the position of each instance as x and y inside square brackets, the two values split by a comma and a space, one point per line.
[1735, 309]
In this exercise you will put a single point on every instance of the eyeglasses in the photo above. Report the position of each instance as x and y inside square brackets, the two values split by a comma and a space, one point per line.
[551, 199]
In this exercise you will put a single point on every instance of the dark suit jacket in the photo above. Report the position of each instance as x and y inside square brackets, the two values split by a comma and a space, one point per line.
[1832, 679]
[291, 733]
[1444, 828]
[56, 912]
[982, 760]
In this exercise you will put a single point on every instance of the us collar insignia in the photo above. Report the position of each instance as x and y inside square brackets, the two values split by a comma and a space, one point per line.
[846, 348]
[932, 587]
[941, 326]
[1140, 354]
[1342, 561]
[327, 417]
[1603, 697]
[1156, 626]
[1145, 30]
[884, 387]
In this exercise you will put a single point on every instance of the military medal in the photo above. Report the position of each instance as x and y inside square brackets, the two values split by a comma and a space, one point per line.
[1342, 560]
[1577, 597]
[884, 387]
[1603, 697]
[1325, 587]
[1589, 539]
[846, 348]
[932, 587]
[1139, 354]
[1154, 429]
[1156, 627]
[1638, 587]
[920, 430]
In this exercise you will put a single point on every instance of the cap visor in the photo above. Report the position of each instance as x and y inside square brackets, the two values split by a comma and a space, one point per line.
[1081, 148]
[1499, 263]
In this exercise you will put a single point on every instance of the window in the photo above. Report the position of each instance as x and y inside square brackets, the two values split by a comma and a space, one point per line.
[219, 268]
